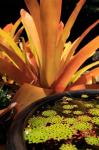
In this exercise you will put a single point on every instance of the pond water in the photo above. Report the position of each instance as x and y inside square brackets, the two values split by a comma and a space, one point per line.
[67, 124]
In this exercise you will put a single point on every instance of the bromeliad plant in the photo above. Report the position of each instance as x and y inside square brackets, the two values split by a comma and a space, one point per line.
[47, 60]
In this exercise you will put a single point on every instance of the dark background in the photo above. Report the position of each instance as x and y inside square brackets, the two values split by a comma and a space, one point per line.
[10, 12]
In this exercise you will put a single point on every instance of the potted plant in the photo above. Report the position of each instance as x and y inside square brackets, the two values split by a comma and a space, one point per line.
[35, 63]
[67, 121]
[47, 59]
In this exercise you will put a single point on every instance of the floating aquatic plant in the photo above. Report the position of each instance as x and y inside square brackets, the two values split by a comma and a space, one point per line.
[69, 106]
[92, 140]
[54, 119]
[84, 96]
[82, 126]
[94, 111]
[49, 113]
[36, 135]
[67, 147]
[95, 120]
[88, 105]
[61, 131]
[66, 111]
[70, 120]
[41, 134]
[77, 112]
[50, 125]
[37, 122]
[84, 118]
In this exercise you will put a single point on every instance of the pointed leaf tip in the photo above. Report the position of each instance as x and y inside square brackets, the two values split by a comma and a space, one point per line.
[8, 27]
[22, 12]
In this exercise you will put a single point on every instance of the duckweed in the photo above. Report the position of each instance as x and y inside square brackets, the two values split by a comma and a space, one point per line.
[84, 118]
[95, 120]
[94, 111]
[70, 120]
[84, 96]
[66, 111]
[51, 124]
[77, 112]
[67, 147]
[69, 106]
[37, 122]
[92, 140]
[36, 135]
[54, 119]
[82, 126]
[42, 134]
[48, 113]
[88, 105]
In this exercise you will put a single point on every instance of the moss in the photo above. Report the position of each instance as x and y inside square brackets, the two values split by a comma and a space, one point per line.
[95, 120]
[69, 106]
[66, 111]
[77, 112]
[82, 126]
[92, 140]
[48, 113]
[67, 147]
[84, 118]
[94, 111]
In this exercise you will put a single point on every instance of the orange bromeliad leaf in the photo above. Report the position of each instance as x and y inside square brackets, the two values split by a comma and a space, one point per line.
[67, 29]
[75, 63]
[87, 77]
[71, 20]
[50, 19]
[82, 71]
[8, 27]
[34, 9]
[12, 72]
[28, 94]
[12, 55]
[82, 87]
[15, 26]
[6, 38]
[46, 58]
[33, 36]
[17, 34]
[18, 63]
[78, 41]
